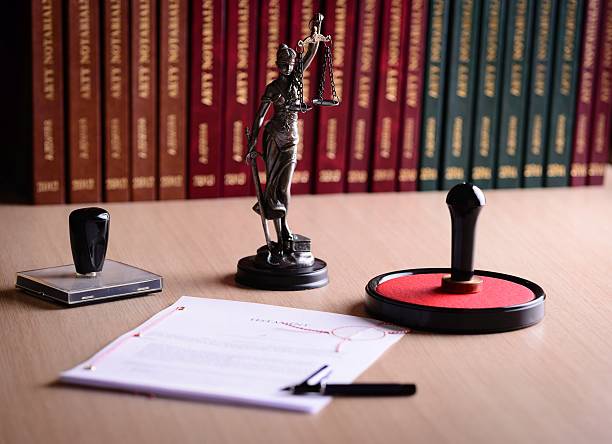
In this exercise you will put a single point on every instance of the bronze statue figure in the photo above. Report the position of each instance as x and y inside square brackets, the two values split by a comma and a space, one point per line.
[288, 262]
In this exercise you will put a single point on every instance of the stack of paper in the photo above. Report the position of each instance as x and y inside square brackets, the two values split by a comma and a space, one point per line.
[236, 352]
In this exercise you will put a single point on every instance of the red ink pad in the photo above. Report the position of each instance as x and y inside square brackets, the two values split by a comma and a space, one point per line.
[458, 299]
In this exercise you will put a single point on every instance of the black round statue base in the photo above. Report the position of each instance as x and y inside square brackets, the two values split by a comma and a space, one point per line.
[456, 320]
[281, 278]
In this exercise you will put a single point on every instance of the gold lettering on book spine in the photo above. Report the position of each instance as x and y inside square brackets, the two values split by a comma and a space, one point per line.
[359, 148]
[542, 49]
[569, 50]
[435, 51]
[560, 134]
[48, 49]
[485, 137]
[518, 48]
[393, 55]
[457, 137]
[340, 45]
[385, 138]
[537, 136]
[208, 60]
[237, 141]
[144, 70]
[173, 43]
[414, 53]
[273, 40]
[85, 49]
[366, 57]
[48, 140]
[203, 146]
[588, 56]
[409, 133]
[116, 50]
[512, 141]
[331, 147]
[306, 14]
[492, 48]
[465, 44]
[242, 50]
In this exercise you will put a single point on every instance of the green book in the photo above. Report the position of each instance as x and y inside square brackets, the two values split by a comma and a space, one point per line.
[565, 86]
[462, 70]
[488, 89]
[539, 97]
[515, 91]
[435, 89]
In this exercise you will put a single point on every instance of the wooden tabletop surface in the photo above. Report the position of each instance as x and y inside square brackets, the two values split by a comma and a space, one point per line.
[548, 383]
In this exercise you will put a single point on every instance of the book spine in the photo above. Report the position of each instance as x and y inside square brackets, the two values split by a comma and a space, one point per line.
[602, 113]
[539, 98]
[388, 103]
[563, 100]
[340, 20]
[362, 118]
[413, 97]
[488, 92]
[273, 15]
[435, 90]
[172, 98]
[116, 101]
[586, 87]
[240, 94]
[302, 12]
[84, 100]
[463, 53]
[47, 103]
[207, 100]
[513, 120]
[144, 99]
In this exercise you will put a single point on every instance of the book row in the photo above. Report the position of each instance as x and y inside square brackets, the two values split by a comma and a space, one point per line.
[150, 99]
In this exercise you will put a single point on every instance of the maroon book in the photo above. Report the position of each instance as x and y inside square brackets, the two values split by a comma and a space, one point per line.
[586, 83]
[340, 22]
[47, 103]
[206, 104]
[413, 97]
[116, 101]
[144, 99]
[240, 72]
[273, 15]
[302, 12]
[602, 112]
[172, 98]
[84, 101]
[389, 105]
[364, 87]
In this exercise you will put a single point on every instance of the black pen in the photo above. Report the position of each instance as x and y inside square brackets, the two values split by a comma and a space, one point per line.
[321, 388]
[354, 389]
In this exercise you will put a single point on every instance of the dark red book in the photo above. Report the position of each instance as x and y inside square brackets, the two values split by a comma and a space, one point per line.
[602, 111]
[392, 49]
[302, 11]
[586, 87]
[84, 101]
[273, 15]
[413, 97]
[116, 101]
[240, 72]
[206, 92]
[340, 22]
[144, 99]
[172, 98]
[47, 103]
[362, 118]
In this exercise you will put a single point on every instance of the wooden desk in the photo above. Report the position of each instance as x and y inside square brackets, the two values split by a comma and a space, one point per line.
[549, 383]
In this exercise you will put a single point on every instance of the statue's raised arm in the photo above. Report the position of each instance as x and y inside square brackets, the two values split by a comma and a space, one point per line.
[313, 40]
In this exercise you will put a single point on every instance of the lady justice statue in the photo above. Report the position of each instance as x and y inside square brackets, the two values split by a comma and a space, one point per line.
[288, 263]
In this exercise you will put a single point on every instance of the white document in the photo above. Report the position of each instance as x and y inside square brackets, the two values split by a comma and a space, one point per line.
[237, 352]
